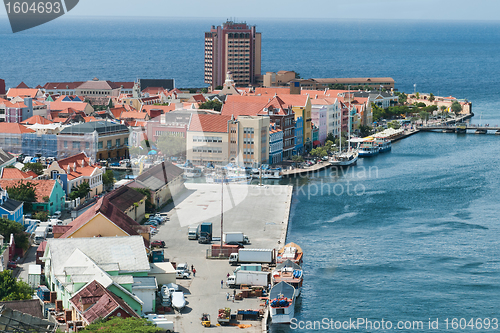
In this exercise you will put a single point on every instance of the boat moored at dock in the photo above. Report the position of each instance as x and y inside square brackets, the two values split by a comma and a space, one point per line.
[282, 303]
[290, 251]
[290, 273]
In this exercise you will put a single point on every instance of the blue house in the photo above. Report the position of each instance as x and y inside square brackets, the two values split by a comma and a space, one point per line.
[299, 136]
[10, 209]
[275, 144]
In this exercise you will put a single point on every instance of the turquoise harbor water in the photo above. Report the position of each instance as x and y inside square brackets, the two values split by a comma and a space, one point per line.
[421, 240]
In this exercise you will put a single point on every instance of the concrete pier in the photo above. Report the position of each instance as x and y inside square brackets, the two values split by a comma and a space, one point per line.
[261, 212]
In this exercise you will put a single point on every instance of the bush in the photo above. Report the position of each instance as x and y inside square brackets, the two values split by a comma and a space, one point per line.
[41, 215]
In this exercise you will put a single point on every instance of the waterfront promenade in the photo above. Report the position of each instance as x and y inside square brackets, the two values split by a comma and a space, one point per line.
[261, 212]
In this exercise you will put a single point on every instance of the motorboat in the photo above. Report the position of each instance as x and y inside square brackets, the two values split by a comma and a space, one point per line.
[290, 273]
[384, 145]
[282, 303]
[368, 148]
[290, 251]
[178, 300]
[344, 159]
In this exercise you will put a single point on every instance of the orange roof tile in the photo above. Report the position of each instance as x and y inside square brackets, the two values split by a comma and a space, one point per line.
[14, 128]
[13, 173]
[271, 91]
[22, 92]
[43, 187]
[133, 115]
[36, 120]
[244, 105]
[209, 123]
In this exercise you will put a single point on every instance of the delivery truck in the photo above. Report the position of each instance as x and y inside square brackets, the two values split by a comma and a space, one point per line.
[193, 233]
[255, 256]
[40, 234]
[205, 232]
[252, 278]
[235, 237]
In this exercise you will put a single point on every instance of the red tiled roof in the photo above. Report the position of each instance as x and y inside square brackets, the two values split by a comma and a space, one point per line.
[63, 163]
[22, 85]
[13, 173]
[59, 106]
[23, 92]
[244, 105]
[133, 115]
[18, 105]
[107, 209]
[137, 123]
[117, 111]
[61, 85]
[14, 128]
[199, 98]
[36, 120]
[209, 123]
[43, 188]
[104, 302]
[153, 90]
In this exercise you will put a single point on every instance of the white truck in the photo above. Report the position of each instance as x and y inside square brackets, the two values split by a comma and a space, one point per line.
[235, 237]
[252, 278]
[248, 267]
[193, 232]
[248, 256]
[161, 321]
[40, 234]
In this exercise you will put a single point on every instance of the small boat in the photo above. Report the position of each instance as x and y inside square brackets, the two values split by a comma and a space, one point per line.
[383, 145]
[178, 300]
[344, 159]
[290, 251]
[267, 172]
[480, 131]
[290, 273]
[217, 178]
[193, 172]
[368, 148]
[282, 303]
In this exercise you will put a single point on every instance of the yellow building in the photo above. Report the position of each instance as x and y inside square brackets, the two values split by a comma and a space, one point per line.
[101, 220]
[301, 106]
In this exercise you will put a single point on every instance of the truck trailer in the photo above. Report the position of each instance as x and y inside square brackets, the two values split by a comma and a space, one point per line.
[255, 256]
[252, 278]
[235, 237]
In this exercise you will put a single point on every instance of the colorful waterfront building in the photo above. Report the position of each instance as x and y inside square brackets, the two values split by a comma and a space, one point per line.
[275, 144]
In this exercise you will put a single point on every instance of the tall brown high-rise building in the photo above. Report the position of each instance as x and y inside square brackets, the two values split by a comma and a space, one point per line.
[233, 47]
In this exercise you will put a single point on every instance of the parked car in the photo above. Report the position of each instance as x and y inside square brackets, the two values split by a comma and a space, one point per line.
[182, 267]
[158, 243]
[11, 265]
[180, 274]
[114, 164]
[56, 216]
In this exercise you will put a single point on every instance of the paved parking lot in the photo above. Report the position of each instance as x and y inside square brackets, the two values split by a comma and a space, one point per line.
[260, 212]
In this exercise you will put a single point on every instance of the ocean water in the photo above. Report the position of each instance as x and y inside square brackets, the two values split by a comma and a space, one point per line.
[410, 235]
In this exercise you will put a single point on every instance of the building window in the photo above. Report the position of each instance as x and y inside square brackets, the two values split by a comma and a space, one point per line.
[99, 145]
[87, 145]
[109, 144]
[125, 141]
[65, 144]
[118, 142]
[76, 145]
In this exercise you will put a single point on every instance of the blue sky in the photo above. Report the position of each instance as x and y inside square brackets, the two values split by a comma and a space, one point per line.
[357, 9]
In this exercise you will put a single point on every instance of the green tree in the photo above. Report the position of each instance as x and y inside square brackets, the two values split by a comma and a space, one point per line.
[170, 145]
[330, 137]
[417, 95]
[218, 88]
[12, 290]
[211, 105]
[431, 97]
[120, 325]
[402, 97]
[424, 115]
[80, 191]
[149, 205]
[41, 215]
[35, 167]
[24, 192]
[8, 227]
[204, 90]
[319, 152]
[456, 107]
[108, 178]
[378, 112]
[297, 75]
[365, 130]
[394, 124]
[297, 158]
